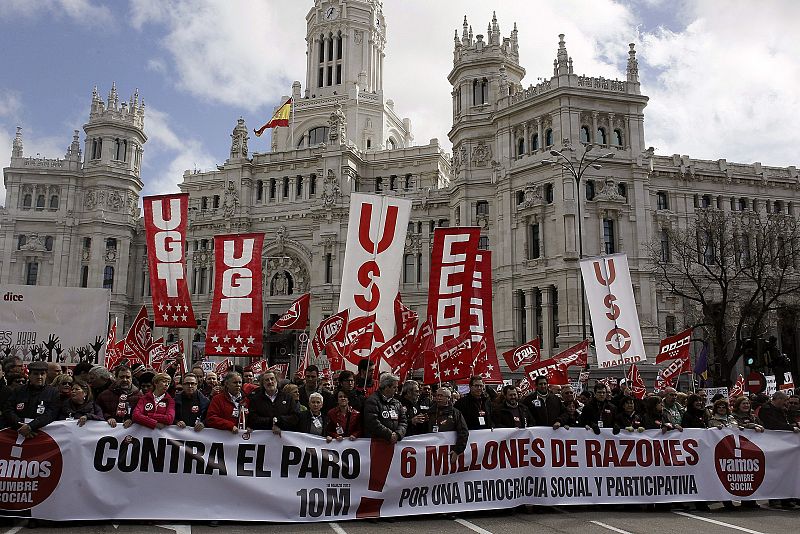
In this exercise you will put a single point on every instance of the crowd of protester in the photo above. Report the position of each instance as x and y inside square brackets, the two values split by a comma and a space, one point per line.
[350, 406]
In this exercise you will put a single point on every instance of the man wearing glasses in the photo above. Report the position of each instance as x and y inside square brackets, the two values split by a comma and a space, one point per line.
[476, 407]
[32, 406]
[190, 405]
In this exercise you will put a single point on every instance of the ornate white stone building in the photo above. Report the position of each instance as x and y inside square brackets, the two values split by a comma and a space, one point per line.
[75, 221]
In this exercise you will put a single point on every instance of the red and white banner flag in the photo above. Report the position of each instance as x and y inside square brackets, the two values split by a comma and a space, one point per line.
[403, 315]
[556, 368]
[738, 388]
[450, 286]
[165, 221]
[524, 355]
[139, 339]
[358, 339]
[636, 382]
[222, 368]
[666, 376]
[481, 323]
[280, 370]
[615, 319]
[330, 330]
[452, 360]
[376, 240]
[258, 367]
[173, 355]
[485, 363]
[675, 347]
[112, 356]
[157, 352]
[296, 317]
[236, 321]
[397, 351]
[423, 342]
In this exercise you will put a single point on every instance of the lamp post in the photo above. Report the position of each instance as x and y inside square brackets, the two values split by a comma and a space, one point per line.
[577, 171]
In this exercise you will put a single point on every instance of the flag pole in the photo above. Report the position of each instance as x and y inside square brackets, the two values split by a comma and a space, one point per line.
[291, 100]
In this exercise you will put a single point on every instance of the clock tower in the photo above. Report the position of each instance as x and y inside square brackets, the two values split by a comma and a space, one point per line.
[345, 41]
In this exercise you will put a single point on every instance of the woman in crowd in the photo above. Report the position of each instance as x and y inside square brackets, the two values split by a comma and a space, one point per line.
[312, 420]
[343, 420]
[229, 406]
[79, 406]
[570, 417]
[654, 415]
[294, 392]
[156, 409]
[743, 415]
[63, 384]
[721, 415]
[695, 415]
[628, 419]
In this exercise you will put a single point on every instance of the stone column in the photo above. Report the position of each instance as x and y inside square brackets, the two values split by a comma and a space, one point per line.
[547, 320]
[593, 136]
[539, 133]
[530, 314]
[527, 140]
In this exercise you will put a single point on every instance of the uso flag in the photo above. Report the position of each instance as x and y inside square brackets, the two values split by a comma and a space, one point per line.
[236, 320]
[165, 228]
[296, 317]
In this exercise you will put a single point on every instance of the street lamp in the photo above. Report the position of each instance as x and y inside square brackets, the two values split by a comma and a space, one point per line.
[577, 172]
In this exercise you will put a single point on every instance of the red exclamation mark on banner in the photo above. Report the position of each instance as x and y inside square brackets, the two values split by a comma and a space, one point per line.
[381, 454]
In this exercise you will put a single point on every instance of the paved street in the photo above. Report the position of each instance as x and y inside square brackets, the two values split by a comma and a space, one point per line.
[584, 520]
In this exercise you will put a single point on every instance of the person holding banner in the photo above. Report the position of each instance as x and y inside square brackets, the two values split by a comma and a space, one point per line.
[510, 413]
[417, 418]
[313, 420]
[476, 406]
[210, 386]
[32, 406]
[384, 417]
[271, 409]
[654, 416]
[191, 406]
[571, 416]
[774, 416]
[156, 408]
[228, 409]
[343, 421]
[695, 415]
[347, 382]
[627, 418]
[543, 404]
[100, 380]
[118, 402]
[443, 417]
[80, 406]
[311, 384]
[720, 415]
[599, 412]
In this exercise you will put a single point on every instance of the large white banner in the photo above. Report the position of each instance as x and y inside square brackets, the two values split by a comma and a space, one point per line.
[376, 239]
[612, 307]
[63, 324]
[96, 472]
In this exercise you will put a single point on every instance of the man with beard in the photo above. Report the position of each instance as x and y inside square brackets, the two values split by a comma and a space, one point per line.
[32, 406]
[190, 405]
[545, 407]
[311, 384]
[416, 416]
[270, 408]
[443, 417]
[119, 401]
[512, 414]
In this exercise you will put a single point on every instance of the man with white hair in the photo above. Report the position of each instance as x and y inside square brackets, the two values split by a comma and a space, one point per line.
[99, 380]
[443, 417]
[384, 416]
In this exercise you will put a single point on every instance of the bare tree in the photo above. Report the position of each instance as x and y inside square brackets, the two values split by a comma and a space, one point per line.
[733, 270]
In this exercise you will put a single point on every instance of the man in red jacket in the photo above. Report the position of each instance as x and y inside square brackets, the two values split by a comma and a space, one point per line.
[228, 409]
[118, 402]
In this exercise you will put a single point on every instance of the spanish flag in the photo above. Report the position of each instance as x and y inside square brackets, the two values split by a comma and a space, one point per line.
[281, 118]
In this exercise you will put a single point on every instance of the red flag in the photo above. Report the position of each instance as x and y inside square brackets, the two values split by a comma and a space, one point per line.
[662, 382]
[556, 368]
[222, 368]
[296, 317]
[526, 354]
[156, 353]
[303, 363]
[403, 315]
[258, 367]
[452, 360]
[112, 357]
[486, 364]
[396, 352]
[481, 322]
[674, 369]
[738, 389]
[139, 339]
[165, 222]
[280, 370]
[358, 339]
[236, 321]
[333, 351]
[172, 355]
[675, 347]
[329, 330]
[424, 341]
[575, 355]
[636, 382]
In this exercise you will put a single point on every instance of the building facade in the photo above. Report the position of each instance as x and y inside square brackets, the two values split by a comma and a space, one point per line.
[76, 222]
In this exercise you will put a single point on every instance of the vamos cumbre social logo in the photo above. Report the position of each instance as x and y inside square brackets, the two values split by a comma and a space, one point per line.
[29, 469]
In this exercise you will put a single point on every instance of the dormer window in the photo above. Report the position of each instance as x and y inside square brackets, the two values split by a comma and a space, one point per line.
[584, 134]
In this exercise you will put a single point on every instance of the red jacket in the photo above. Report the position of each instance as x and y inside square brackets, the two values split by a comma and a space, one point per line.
[149, 413]
[349, 422]
[222, 414]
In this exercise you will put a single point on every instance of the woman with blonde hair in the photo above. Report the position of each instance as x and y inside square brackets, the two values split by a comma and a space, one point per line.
[156, 409]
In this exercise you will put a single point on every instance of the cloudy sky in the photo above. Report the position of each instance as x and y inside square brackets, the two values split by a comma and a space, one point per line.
[723, 76]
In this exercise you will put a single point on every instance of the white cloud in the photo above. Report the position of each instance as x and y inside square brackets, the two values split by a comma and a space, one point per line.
[10, 104]
[180, 151]
[84, 12]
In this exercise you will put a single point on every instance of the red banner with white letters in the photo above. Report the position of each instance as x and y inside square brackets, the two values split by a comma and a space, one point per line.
[452, 360]
[296, 317]
[635, 382]
[236, 321]
[481, 324]
[526, 354]
[165, 221]
[329, 330]
[403, 315]
[451, 281]
[556, 368]
[675, 347]
[139, 339]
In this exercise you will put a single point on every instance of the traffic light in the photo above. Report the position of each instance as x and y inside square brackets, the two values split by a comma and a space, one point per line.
[749, 352]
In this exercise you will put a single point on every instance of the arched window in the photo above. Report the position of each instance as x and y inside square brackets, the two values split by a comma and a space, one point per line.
[312, 185]
[120, 147]
[204, 203]
[601, 136]
[589, 189]
[40, 201]
[285, 187]
[476, 93]
[318, 135]
[54, 202]
[97, 147]
[535, 142]
[408, 268]
[548, 137]
[392, 144]
[85, 276]
[21, 241]
[272, 188]
[302, 142]
[27, 200]
[618, 137]
[259, 190]
[48, 243]
[584, 134]
[485, 91]
[216, 202]
[108, 277]
[520, 147]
